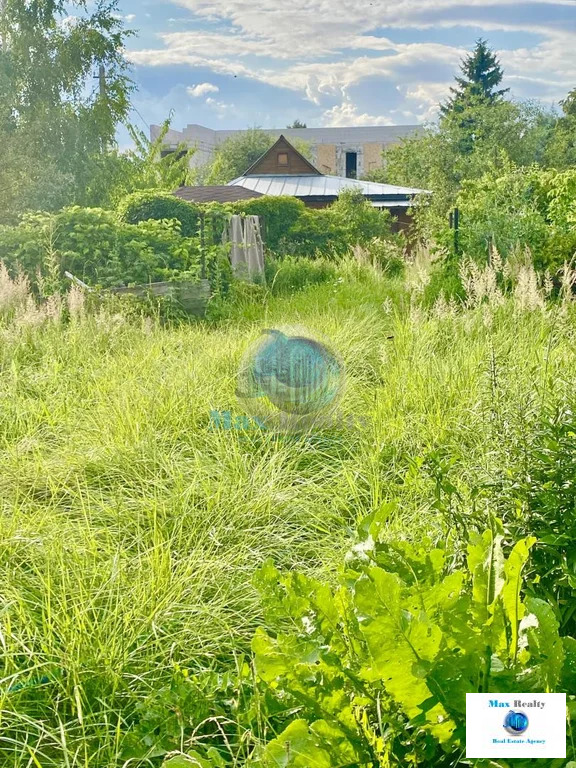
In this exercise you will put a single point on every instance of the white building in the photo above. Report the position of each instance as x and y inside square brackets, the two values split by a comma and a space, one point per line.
[350, 152]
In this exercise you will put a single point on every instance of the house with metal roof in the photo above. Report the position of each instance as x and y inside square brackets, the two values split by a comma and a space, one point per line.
[282, 170]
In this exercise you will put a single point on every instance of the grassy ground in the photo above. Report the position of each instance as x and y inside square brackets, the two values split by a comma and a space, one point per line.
[129, 530]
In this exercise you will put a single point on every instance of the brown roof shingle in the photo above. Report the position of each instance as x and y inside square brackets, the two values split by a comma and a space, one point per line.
[215, 194]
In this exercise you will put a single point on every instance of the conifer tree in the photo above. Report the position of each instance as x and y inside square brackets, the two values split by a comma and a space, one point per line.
[481, 76]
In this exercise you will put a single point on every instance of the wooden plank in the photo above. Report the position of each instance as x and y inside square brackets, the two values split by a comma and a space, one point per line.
[192, 296]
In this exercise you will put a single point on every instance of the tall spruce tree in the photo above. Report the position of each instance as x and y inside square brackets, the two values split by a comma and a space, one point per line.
[468, 113]
[481, 76]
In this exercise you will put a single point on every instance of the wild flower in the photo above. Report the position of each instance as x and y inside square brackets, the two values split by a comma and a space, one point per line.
[76, 300]
[14, 293]
[529, 294]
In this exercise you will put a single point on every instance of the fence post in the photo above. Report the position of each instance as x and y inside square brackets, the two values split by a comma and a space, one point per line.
[455, 225]
[202, 248]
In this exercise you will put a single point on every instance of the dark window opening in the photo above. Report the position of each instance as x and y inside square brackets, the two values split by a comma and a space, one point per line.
[351, 165]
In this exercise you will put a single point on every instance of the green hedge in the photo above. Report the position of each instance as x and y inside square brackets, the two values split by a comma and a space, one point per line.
[143, 206]
[278, 216]
[96, 247]
[288, 226]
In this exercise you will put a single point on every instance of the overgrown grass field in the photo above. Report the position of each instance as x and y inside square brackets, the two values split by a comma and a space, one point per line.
[131, 527]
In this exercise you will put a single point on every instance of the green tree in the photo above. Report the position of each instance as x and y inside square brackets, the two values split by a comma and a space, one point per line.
[64, 88]
[561, 150]
[475, 90]
[441, 159]
[236, 154]
[481, 76]
[297, 124]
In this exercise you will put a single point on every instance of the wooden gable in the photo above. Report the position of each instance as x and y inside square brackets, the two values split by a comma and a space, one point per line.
[280, 160]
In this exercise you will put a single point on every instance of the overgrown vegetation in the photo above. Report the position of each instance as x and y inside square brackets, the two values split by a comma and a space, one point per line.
[180, 589]
[132, 527]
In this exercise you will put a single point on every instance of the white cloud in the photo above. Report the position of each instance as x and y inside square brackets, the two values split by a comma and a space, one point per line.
[202, 89]
[130, 18]
[318, 55]
[346, 114]
[222, 109]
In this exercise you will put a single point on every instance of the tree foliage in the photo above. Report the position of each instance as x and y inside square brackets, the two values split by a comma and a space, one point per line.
[561, 152]
[145, 166]
[481, 76]
[55, 117]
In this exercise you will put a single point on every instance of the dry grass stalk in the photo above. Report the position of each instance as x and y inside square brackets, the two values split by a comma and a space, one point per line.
[14, 293]
[419, 268]
[76, 301]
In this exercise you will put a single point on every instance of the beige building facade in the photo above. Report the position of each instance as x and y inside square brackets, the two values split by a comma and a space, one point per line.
[350, 152]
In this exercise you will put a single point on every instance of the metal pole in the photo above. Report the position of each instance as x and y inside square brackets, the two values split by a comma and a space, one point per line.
[202, 248]
[102, 81]
[456, 231]
[3, 40]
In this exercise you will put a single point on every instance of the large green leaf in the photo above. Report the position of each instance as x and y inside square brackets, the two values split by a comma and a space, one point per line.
[402, 647]
[296, 747]
[544, 643]
[486, 564]
[513, 608]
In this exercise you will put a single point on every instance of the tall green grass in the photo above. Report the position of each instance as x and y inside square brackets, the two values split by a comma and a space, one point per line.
[129, 530]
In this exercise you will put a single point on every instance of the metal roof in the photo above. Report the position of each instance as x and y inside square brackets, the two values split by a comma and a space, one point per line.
[321, 186]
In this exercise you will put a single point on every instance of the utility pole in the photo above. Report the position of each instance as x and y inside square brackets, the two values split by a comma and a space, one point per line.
[455, 225]
[3, 40]
[102, 81]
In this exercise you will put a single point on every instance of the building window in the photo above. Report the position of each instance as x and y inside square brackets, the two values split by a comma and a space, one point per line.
[283, 159]
[351, 165]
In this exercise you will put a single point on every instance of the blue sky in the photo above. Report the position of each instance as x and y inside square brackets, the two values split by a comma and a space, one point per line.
[235, 63]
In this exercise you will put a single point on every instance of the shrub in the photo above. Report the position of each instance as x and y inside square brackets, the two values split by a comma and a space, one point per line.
[526, 207]
[314, 232]
[290, 228]
[142, 206]
[544, 497]
[378, 668]
[357, 221]
[94, 246]
[278, 216]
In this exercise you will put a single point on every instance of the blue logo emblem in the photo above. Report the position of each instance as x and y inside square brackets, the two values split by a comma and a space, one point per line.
[516, 723]
[288, 379]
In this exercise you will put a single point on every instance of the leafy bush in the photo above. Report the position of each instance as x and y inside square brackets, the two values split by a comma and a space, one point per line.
[357, 221]
[94, 246]
[313, 233]
[143, 206]
[525, 207]
[544, 492]
[278, 216]
[378, 668]
[290, 228]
